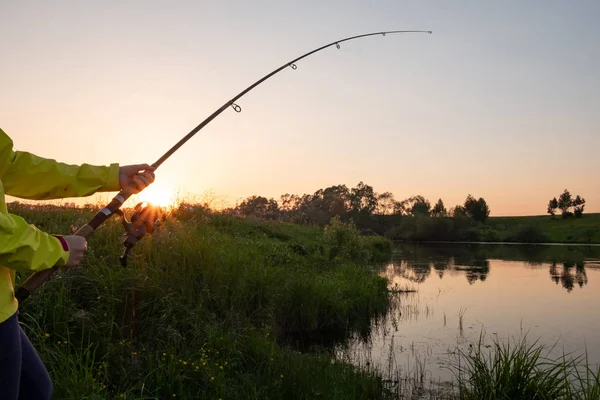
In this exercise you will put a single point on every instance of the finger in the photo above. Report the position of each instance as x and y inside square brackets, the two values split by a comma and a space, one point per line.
[147, 178]
[150, 177]
[142, 167]
[140, 181]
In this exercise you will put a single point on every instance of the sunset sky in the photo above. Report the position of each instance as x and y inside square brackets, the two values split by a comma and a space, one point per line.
[502, 101]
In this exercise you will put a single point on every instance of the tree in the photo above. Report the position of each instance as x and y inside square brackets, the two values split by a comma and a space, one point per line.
[420, 206]
[478, 210]
[335, 200]
[578, 205]
[458, 211]
[564, 203]
[259, 206]
[385, 203]
[439, 210]
[415, 205]
[363, 199]
[552, 206]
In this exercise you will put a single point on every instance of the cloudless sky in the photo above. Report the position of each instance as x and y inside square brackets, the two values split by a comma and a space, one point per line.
[502, 101]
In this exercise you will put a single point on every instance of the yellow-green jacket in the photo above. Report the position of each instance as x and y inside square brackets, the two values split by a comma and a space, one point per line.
[23, 247]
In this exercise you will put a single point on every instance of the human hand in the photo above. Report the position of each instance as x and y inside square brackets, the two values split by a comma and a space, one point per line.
[77, 248]
[136, 177]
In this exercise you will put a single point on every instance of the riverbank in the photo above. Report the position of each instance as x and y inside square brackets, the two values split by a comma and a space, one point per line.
[217, 306]
[526, 229]
[555, 229]
[210, 306]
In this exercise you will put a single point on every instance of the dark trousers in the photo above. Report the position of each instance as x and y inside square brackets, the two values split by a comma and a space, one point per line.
[22, 373]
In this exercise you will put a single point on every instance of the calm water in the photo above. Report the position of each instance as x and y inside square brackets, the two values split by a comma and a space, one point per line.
[550, 293]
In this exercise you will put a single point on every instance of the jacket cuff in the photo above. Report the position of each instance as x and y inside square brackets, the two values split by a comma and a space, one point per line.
[112, 182]
[65, 247]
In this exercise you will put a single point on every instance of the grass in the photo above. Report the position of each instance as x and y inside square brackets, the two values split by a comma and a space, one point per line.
[219, 307]
[555, 229]
[210, 306]
[522, 371]
[525, 229]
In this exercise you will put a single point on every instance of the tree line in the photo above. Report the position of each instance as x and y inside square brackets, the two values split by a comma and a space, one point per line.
[360, 204]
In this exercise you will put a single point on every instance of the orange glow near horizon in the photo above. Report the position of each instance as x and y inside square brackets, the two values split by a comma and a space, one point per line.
[158, 194]
[507, 116]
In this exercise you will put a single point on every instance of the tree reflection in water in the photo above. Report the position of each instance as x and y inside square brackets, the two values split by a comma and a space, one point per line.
[567, 277]
[417, 262]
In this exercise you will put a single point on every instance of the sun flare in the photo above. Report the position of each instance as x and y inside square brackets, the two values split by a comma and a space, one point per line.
[159, 195]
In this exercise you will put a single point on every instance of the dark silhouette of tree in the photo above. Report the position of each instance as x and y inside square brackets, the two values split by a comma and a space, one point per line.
[363, 199]
[420, 206]
[565, 202]
[578, 205]
[415, 205]
[259, 206]
[458, 211]
[478, 210]
[552, 206]
[439, 210]
[385, 204]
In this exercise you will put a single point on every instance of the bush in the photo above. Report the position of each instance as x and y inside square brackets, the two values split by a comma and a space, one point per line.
[380, 248]
[342, 240]
[527, 233]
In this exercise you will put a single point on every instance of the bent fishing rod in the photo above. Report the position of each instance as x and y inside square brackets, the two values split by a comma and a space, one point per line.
[142, 219]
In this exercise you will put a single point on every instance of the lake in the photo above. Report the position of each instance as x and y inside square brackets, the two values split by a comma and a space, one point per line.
[550, 293]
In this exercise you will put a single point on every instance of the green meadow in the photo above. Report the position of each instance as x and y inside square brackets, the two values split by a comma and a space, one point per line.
[215, 306]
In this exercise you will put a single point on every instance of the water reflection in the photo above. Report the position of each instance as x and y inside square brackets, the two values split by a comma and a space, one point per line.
[447, 295]
[567, 277]
[417, 262]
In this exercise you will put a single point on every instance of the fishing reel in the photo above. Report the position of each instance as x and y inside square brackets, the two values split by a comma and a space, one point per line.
[143, 220]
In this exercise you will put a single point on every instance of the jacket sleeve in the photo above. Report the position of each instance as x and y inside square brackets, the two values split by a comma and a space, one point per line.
[23, 247]
[28, 176]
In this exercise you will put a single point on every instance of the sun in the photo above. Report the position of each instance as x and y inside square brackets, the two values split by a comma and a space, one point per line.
[159, 195]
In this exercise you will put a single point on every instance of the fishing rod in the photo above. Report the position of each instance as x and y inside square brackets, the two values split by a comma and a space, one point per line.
[142, 220]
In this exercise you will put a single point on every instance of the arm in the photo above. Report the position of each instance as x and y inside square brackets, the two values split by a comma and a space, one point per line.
[25, 248]
[28, 176]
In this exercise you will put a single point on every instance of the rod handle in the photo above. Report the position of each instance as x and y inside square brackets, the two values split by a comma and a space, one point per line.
[37, 279]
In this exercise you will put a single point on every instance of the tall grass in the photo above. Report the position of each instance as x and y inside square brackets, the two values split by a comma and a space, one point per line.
[210, 306]
[523, 370]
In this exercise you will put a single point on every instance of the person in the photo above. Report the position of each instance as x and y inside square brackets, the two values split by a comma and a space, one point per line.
[23, 247]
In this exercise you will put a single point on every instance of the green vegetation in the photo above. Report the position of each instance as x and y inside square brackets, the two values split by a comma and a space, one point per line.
[524, 371]
[217, 306]
[548, 229]
[413, 219]
[210, 306]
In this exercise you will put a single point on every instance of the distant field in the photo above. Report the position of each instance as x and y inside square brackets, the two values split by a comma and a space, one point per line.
[570, 230]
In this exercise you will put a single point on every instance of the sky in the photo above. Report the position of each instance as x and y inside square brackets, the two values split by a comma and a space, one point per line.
[500, 102]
